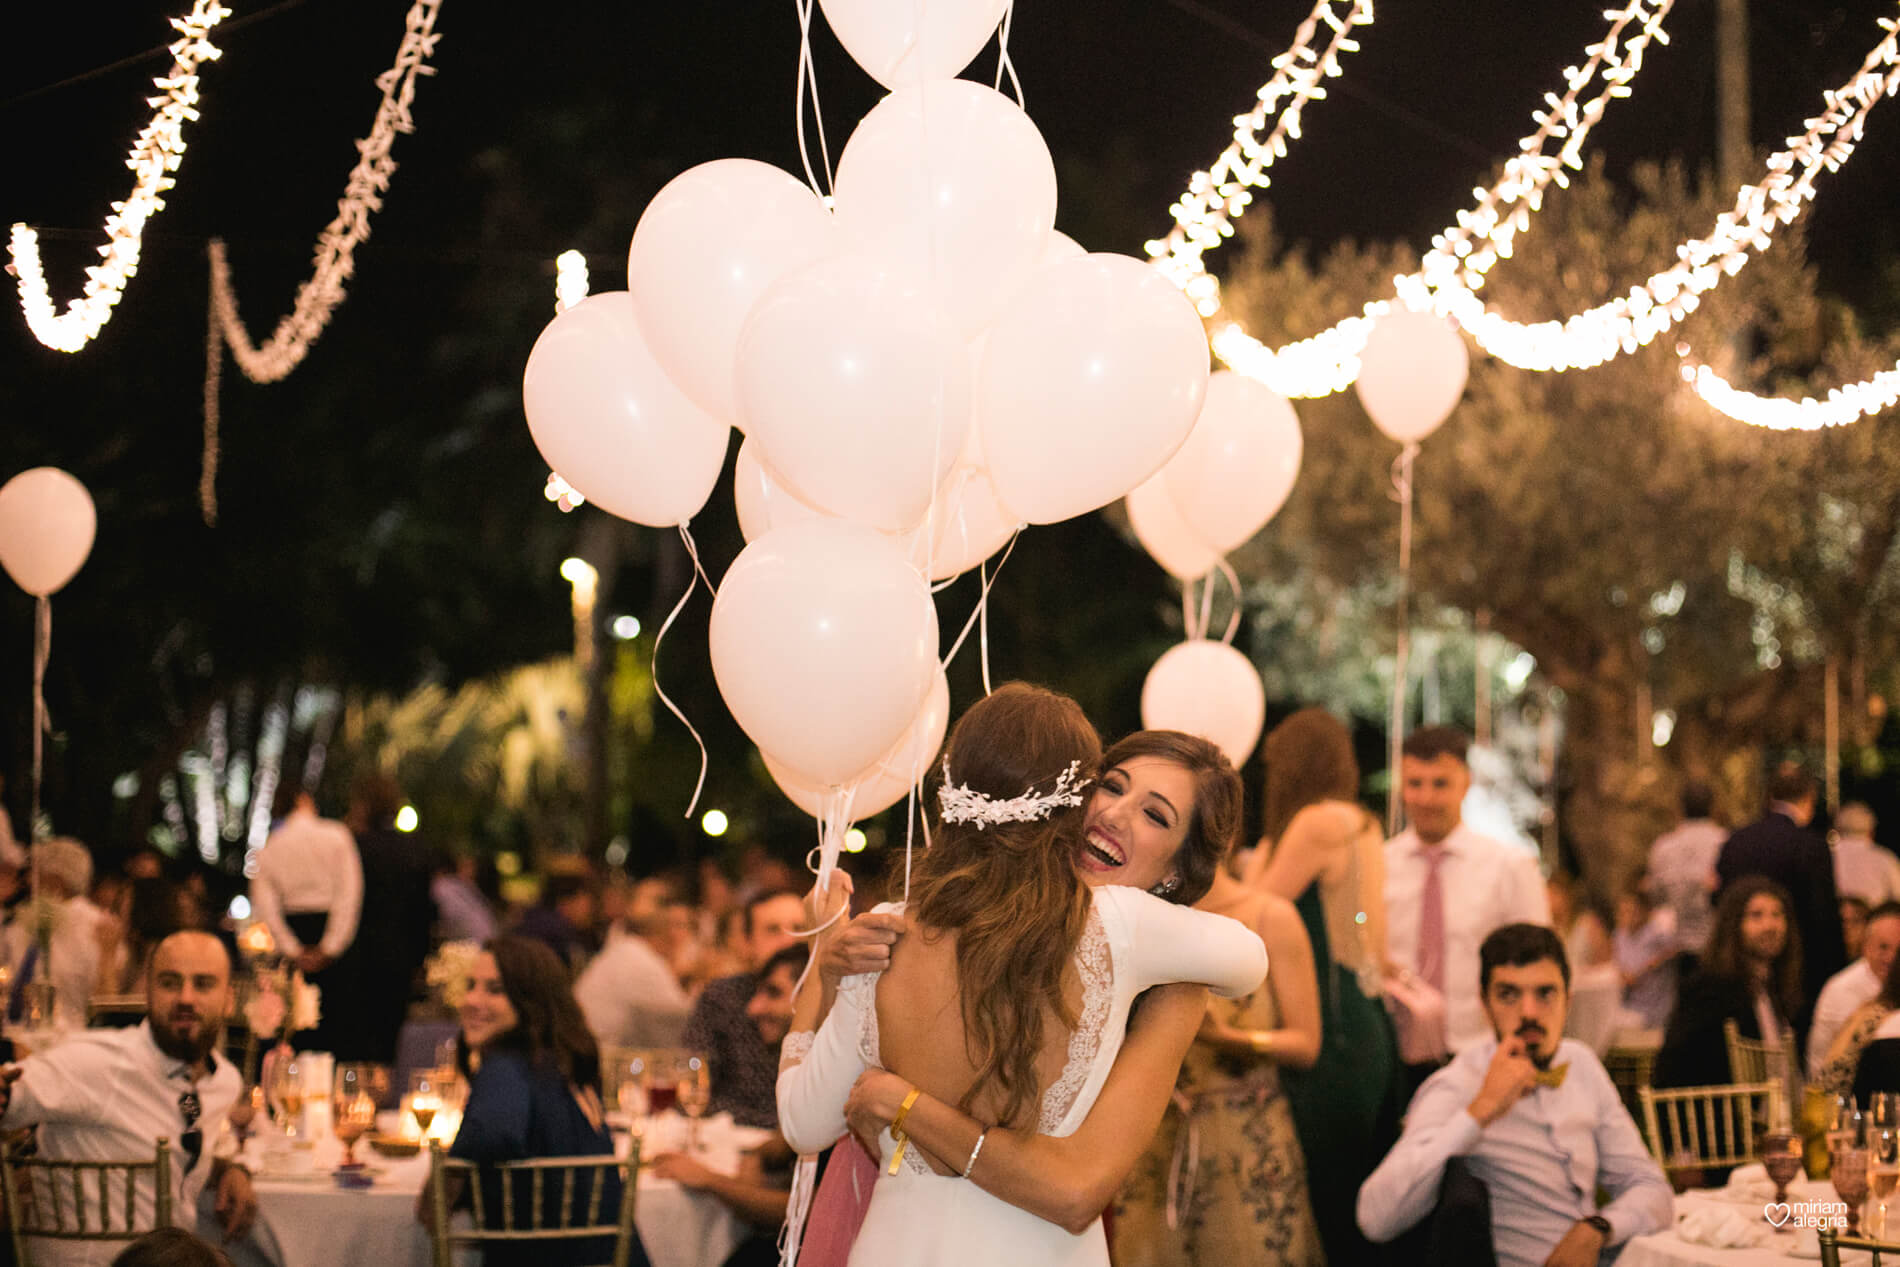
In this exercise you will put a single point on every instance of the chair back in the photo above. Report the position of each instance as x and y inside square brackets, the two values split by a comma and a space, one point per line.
[1754, 1059]
[1833, 1242]
[1709, 1127]
[81, 1200]
[544, 1220]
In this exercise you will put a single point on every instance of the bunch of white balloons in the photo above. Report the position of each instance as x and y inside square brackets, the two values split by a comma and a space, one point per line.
[918, 369]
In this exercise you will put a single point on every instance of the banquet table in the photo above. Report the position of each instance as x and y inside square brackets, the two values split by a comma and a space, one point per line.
[308, 1221]
[1767, 1247]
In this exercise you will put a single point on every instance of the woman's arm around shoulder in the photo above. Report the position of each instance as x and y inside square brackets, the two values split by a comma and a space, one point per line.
[1178, 943]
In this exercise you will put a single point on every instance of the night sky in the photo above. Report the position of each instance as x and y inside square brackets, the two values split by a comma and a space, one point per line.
[1132, 97]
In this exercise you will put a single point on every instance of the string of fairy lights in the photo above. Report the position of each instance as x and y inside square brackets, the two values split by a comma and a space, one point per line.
[323, 290]
[1451, 273]
[156, 154]
[570, 287]
[1447, 281]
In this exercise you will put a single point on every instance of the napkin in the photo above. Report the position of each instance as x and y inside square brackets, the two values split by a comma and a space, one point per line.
[1721, 1228]
[1749, 1184]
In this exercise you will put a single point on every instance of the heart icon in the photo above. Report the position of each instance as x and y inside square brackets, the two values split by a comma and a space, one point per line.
[1777, 1212]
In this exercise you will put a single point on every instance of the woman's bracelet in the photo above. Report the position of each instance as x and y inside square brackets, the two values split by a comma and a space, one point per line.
[897, 1128]
[970, 1165]
[1261, 1040]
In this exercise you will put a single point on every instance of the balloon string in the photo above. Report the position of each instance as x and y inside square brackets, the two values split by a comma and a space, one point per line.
[1233, 585]
[808, 78]
[989, 579]
[42, 652]
[1402, 492]
[660, 691]
[1207, 605]
[1004, 65]
[1187, 611]
[692, 552]
[983, 627]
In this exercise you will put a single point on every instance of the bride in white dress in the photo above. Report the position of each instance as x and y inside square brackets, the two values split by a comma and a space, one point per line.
[1010, 995]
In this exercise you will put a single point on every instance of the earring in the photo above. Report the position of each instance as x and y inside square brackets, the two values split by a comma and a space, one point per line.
[1166, 887]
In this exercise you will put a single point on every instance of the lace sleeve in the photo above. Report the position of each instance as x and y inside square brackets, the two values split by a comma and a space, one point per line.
[1837, 1075]
[814, 1084]
[797, 1046]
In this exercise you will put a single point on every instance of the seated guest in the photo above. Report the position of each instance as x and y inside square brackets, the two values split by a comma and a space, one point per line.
[84, 937]
[1856, 985]
[628, 991]
[1644, 949]
[744, 1070]
[563, 920]
[1751, 974]
[759, 1192]
[534, 1091]
[1586, 940]
[1862, 869]
[1854, 913]
[106, 1094]
[1535, 1119]
[1840, 1066]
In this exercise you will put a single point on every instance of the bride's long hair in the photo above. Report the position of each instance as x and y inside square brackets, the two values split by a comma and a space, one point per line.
[1010, 890]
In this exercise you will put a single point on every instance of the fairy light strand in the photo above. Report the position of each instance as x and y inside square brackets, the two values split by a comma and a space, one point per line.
[1204, 215]
[570, 287]
[156, 154]
[1461, 255]
[320, 294]
[1842, 405]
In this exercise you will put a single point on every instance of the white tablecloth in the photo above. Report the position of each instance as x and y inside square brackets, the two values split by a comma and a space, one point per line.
[314, 1223]
[1770, 1248]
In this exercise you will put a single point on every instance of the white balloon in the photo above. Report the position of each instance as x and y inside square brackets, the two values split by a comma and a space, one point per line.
[761, 503]
[1091, 380]
[856, 389]
[824, 644]
[612, 424]
[1412, 373]
[47, 523]
[705, 249]
[971, 525]
[955, 185]
[902, 43]
[1207, 689]
[887, 780]
[1238, 464]
[1164, 534]
[1061, 246]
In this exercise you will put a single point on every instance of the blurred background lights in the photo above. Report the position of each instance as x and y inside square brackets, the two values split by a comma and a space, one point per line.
[626, 628]
[854, 841]
[714, 822]
[407, 818]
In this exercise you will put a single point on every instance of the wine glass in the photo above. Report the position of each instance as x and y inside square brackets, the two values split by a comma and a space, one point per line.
[634, 1091]
[693, 1088]
[1781, 1158]
[425, 1099]
[1843, 1123]
[353, 1099]
[1883, 1111]
[285, 1087]
[1883, 1170]
[1850, 1181]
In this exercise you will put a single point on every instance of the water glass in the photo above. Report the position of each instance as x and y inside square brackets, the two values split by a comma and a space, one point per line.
[1850, 1182]
[693, 1088]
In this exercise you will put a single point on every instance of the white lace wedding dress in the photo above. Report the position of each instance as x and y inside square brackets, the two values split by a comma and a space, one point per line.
[1132, 941]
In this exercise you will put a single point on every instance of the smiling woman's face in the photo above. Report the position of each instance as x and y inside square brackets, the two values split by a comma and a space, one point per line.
[1136, 822]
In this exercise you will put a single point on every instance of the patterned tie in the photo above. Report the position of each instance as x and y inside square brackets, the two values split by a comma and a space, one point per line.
[1552, 1077]
[1431, 921]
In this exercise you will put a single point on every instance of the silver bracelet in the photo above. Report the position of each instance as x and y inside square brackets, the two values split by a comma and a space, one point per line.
[970, 1165]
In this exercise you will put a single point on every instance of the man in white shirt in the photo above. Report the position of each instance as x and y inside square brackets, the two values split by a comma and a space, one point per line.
[1862, 869]
[1682, 867]
[308, 890]
[1536, 1120]
[106, 1095]
[1855, 984]
[1446, 886]
[629, 992]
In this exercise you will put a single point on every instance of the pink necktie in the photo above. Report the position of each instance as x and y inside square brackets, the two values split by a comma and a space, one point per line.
[1431, 921]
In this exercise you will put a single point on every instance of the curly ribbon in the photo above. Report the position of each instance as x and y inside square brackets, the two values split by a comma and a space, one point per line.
[1402, 493]
[808, 78]
[989, 579]
[214, 375]
[692, 552]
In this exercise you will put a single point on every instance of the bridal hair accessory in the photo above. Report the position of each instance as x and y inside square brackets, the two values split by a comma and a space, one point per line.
[960, 804]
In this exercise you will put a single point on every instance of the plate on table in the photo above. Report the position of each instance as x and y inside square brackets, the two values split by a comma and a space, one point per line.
[395, 1145]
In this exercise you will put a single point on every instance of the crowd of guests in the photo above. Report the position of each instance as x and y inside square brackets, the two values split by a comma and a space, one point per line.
[1404, 1064]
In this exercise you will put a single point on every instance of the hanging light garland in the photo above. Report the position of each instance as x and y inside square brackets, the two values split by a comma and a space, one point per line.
[1461, 255]
[156, 154]
[1205, 213]
[363, 194]
[1842, 406]
[570, 287]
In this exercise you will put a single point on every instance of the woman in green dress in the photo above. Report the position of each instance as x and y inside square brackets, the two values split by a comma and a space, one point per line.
[1322, 851]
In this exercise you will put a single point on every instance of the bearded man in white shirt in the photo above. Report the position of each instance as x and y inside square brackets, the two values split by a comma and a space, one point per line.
[1447, 886]
[105, 1095]
[1536, 1120]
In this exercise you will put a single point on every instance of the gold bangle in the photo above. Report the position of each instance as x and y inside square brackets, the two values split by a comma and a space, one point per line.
[897, 1128]
[1261, 1041]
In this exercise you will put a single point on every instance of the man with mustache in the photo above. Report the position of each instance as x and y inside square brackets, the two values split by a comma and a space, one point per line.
[105, 1095]
[1534, 1117]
